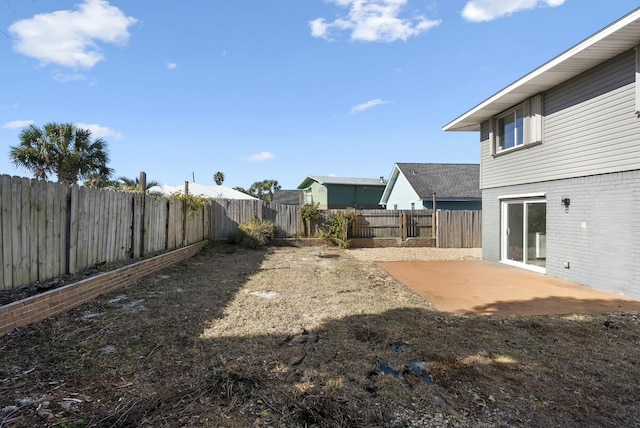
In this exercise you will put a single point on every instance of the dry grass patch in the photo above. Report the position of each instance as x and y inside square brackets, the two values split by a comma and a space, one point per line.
[311, 337]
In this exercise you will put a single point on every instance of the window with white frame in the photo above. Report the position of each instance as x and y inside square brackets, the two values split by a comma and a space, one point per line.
[519, 126]
[510, 129]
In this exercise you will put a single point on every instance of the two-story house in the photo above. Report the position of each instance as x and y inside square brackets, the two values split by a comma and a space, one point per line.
[560, 163]
[342, 192]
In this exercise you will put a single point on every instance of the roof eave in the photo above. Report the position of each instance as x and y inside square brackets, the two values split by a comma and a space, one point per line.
[389, 185]
[614, 39]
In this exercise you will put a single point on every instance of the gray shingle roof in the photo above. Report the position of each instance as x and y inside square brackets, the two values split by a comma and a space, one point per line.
[447, 180]
[287, 197]
[345, 180]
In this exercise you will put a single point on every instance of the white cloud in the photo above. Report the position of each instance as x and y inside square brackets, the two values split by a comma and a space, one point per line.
[261, 157]
[488, 10]
[68, 38]
[59, 76]
[18, 124]
[373, 21]
[172, 66]
[98, 131]
[368, 105]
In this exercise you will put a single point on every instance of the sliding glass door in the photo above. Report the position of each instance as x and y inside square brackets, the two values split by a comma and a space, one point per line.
[524, 233]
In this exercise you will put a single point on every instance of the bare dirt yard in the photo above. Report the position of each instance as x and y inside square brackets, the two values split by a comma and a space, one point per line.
[312, 337]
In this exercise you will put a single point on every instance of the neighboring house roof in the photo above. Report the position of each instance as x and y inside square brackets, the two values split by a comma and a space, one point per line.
[447, 180]
[214, 192]
[342, 180]
[287, 197]
[618, 37]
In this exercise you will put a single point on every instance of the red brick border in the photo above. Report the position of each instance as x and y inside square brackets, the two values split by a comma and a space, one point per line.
[50, 303]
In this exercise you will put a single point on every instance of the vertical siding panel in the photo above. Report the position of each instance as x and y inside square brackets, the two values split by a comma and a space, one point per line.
[589, 128]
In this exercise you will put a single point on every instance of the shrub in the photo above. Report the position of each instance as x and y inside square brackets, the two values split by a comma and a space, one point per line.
[311, 212]
[338, 228]
[255, 233]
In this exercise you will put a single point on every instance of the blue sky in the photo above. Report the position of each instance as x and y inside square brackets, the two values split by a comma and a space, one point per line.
[273, 89]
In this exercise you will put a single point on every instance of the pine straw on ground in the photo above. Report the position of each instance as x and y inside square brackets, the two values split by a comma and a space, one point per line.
[303, 337]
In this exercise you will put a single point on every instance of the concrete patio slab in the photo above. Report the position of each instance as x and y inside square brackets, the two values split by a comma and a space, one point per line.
[482, 287]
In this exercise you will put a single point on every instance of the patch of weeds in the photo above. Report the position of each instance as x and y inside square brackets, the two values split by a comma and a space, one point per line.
[254, 234]
[72, 361]
[338, 228]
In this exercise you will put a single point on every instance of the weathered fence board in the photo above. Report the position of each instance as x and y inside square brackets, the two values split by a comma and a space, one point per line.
[48, 229]
[459, 229]
[7, 260]
[225, 215]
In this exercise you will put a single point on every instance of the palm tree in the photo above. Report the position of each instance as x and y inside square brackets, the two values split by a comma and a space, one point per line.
[270, 186]
[218, 177]
[63, 150]
[132, 184]
[99, 181]
[264, 189]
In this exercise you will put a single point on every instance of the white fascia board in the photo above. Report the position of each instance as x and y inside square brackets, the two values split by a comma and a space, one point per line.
[389, 186]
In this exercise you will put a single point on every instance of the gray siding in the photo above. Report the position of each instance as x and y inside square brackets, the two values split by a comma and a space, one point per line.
[590, 127]
[599, 235]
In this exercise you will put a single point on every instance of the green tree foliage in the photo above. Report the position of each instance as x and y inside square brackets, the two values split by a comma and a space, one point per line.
[261, 189]
[63, 150]
[218, 178]
[100, 181]
[264, 189]
[311, 212]
[132, 184]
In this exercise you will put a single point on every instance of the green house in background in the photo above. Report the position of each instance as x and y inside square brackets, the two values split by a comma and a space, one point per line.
[340, 192]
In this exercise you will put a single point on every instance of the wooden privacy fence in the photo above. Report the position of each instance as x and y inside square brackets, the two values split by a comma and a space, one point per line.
[227, 214]
[392, 223]
[459, 229]
[455, 229]
[48, 229]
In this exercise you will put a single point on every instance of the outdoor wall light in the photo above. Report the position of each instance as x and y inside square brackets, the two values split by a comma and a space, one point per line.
[565, 203]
